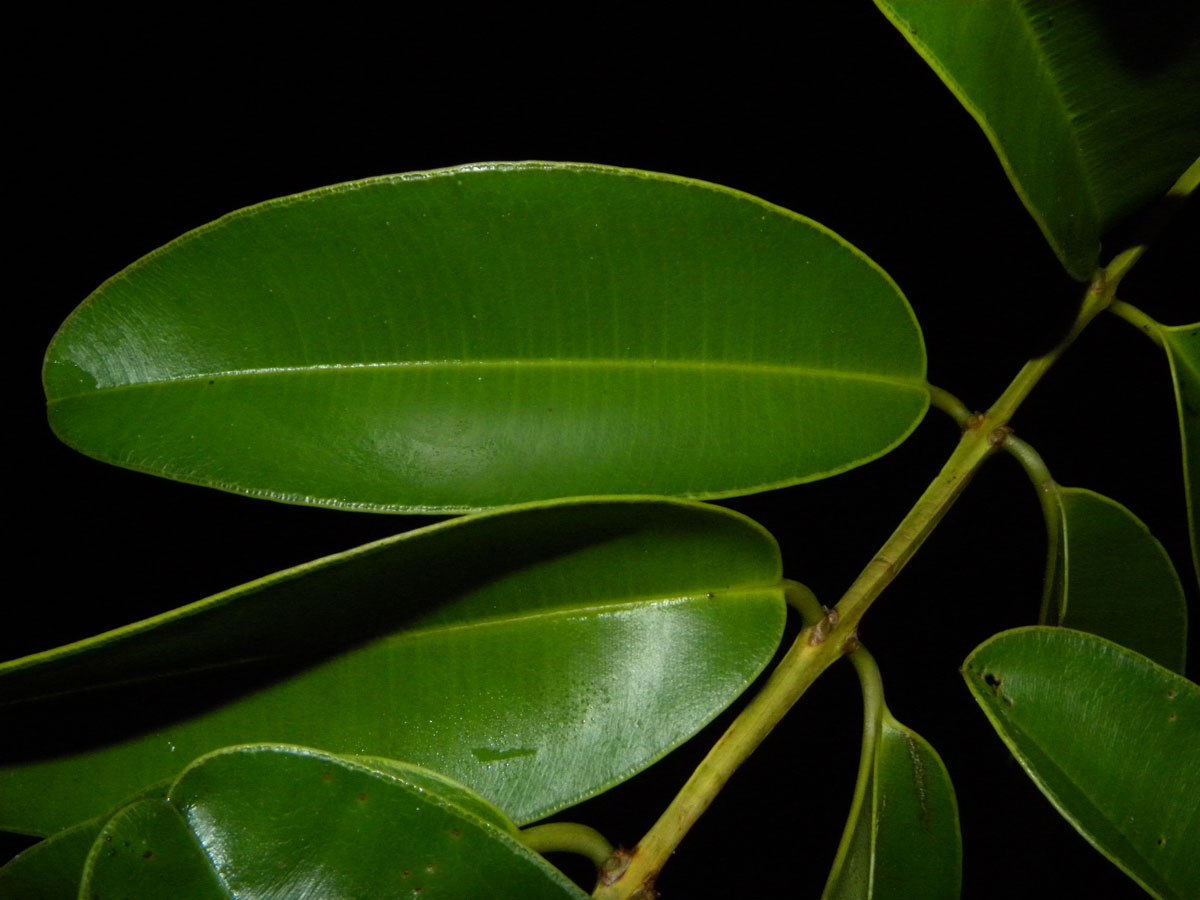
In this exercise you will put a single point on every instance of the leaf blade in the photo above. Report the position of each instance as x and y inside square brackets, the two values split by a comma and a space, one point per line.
[297, 822]
[52, 869]
[1114, 579]
[487, 335]
[1091, 109]
[1183, 351]
[460, 670]
[1109, 737]
[902, 835]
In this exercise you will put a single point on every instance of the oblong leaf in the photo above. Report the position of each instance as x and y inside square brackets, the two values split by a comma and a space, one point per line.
[499, 649]
[492, 334]
[1112, 577]
[1092, 108]
[1183, 350]
[290, 822]
[902, 836]
[1109, 737]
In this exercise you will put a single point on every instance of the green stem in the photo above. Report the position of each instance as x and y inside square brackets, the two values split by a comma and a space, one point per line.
[950, 405]
[819, 645]
[568, 837]
[1051, 503]
[801, 598]
[1138, 320]
[873, 709]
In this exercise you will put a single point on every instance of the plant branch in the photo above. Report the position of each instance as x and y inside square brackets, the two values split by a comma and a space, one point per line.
[819, 645]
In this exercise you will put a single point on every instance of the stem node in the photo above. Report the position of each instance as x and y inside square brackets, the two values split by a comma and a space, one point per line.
[821, 631]
[614, 867]
[1000, 435]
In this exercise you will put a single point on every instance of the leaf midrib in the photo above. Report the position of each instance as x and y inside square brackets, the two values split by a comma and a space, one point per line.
[672, 365]
[1064, 107]
[596, 609]
[725, 595]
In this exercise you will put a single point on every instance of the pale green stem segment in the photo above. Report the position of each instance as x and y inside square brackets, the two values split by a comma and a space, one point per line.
[567, 837]
[1051, 502]
[819, 645]
[872, 693]
[800, 598]
[1138, 320]
[872, 690]
[950, 405]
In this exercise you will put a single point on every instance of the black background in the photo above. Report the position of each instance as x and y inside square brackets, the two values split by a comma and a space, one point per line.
[128, 134]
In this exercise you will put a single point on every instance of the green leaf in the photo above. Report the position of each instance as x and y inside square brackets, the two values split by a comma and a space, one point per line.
[499, 649]
[1092, 108]
[290, 822]
[1109, 575]
[149, 849]
[51, 869]
[1110, 738]
[1183, 350]
[902, 837]
[491, 334]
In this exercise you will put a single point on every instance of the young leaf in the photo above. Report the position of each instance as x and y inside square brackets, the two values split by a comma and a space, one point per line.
[1092, 108]
[1183, 350]
[1109, 737]
[1110, 576]
[491, 334]
[290, 822]
[499, 649]
[902, 836]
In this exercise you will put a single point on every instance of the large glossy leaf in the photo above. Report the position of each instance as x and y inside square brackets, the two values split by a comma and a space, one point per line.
[1110, 738]
[288, 822]
[538, 655]
[1093, 108]
[902, 837]
[1183, 349]
[1110, 576]
[491, 334]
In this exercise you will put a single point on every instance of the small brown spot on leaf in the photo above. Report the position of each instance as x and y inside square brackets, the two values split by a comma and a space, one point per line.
[430, 868]
[149, 854]
[327, 777]
[362, 798]
[455, 832]
[1170, 695]
[407, 873]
